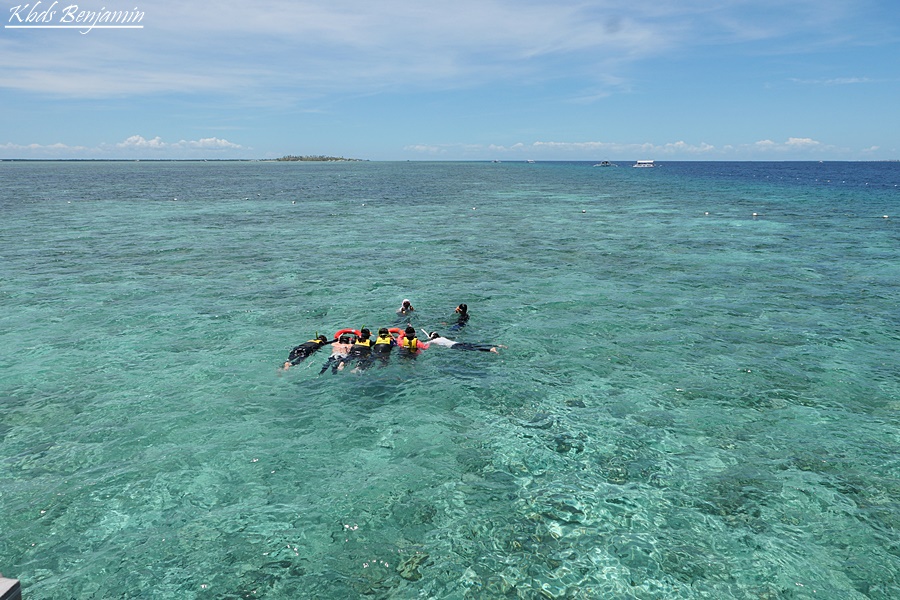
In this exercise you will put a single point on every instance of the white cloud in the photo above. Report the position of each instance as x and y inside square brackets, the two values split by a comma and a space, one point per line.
[135, 146]
[137, 142]
[424, 149]
[801, 143]
[10, 150]
[212, 142]
[550, 150]
[245, 49]
[278, 48]
[626, 149]
[834, 81]
[679, 150]
[792, 144]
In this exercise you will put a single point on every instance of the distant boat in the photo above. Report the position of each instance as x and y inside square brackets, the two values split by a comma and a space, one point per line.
[642, 164]
[529, 161]
[495, 161]
[605, 163]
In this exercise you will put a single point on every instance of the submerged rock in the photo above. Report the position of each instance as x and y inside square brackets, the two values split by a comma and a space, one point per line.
[540, 421]
[409, 568]
[565, 442]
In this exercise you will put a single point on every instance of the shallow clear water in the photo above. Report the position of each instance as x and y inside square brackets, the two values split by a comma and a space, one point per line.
[694, 402]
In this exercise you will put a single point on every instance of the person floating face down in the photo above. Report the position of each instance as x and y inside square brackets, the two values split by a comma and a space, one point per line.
[462, 317]
[405, 307]
[305, 350]
[339, 352]
[361, 350]
[384, 343]
[436, 339]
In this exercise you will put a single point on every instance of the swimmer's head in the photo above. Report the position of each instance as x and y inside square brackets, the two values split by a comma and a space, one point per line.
[462, 308]
[365, 333]
[322, 339]
[410, 331]
[383, 331]
[434, 334]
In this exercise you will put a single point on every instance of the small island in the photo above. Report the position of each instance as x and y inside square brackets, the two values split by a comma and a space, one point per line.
[317, 158]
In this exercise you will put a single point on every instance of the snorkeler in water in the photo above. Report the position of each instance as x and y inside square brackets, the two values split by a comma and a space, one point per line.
[409, 344]
[405, 307]
[436, 339]
[339, 352]
[305, 350]
[360, 351]
[383, 345]
[462, 317]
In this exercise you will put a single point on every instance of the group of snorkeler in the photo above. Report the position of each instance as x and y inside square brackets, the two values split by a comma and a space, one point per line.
[350, 345]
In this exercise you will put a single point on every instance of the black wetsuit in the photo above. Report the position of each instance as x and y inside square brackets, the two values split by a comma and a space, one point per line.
[306, 349]
[382, 351]
[361, 352]
[471, 346]
[460, 321]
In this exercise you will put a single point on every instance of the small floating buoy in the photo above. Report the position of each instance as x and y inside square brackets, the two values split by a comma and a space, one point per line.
[755, 215]
[473, 208]
[706, 213]
[583, 211]
[885, 217]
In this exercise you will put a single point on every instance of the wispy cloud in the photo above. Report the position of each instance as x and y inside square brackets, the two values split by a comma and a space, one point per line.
[135, 146]
[263, 67]
[426, 149]
[10, 150]
[309, 47]
[589, 150]
[834, 81]
[137, 142]
[792, 144]
[621, 149]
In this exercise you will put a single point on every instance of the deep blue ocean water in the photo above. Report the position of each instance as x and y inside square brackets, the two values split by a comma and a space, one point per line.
[699, 397]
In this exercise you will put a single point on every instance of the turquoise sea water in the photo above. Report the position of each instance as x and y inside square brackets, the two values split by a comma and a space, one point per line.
[694, 402]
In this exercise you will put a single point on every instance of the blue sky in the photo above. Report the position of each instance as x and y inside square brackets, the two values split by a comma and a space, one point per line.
[461, 80]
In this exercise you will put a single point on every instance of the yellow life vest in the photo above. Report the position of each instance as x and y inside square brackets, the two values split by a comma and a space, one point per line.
[410, 343]
[384, 340]
[361, 342]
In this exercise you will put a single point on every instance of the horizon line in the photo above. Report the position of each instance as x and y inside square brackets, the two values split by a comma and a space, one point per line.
[512, 161]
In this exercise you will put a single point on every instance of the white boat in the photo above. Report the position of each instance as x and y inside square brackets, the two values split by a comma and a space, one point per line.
[642, 164]
[605, 163]
[529, 161]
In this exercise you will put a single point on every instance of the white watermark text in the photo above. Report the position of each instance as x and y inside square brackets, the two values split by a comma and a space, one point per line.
[38, 15]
